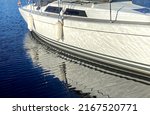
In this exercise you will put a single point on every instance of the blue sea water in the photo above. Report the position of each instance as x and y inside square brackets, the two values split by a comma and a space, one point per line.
[19, 77]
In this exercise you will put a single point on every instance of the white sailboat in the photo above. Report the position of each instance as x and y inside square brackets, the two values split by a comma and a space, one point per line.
[115, 32]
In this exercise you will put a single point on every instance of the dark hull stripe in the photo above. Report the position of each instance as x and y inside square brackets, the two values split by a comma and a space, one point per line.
[113, 62]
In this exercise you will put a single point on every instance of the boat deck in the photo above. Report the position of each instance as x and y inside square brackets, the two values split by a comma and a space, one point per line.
[125, 6]
[120, 11]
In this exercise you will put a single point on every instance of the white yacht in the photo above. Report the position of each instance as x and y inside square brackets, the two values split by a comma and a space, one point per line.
[114, 32]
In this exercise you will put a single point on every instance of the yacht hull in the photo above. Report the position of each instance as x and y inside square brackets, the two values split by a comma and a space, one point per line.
[122, 45]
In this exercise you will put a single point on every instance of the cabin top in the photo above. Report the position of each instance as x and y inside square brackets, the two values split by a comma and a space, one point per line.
[123, 6]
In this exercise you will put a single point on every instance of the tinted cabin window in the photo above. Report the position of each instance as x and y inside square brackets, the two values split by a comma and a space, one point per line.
[53, 9]
[75, 12]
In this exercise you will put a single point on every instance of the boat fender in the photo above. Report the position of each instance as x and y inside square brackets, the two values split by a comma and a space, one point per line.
[30, 22]
[59, 30]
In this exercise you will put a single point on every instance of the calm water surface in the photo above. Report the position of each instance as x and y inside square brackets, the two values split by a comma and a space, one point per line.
[30, 69]
[19, 77]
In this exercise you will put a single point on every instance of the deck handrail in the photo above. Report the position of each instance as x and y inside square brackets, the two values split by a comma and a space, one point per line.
[110, 9]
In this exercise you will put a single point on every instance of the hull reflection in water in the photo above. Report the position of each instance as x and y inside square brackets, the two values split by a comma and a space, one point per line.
[83, 79]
